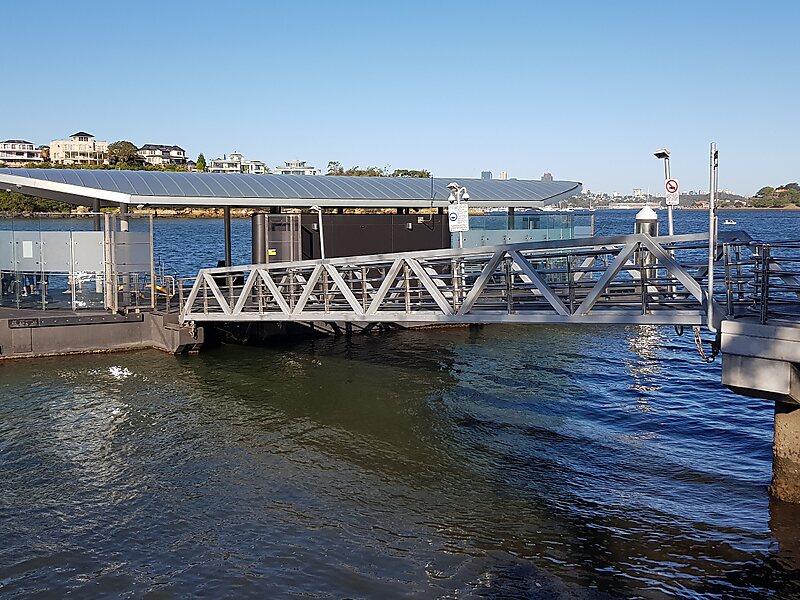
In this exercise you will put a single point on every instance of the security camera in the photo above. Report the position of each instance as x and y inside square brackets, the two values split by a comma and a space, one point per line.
[451, 198]
[19, 186]
[453, 186]
[465, 195]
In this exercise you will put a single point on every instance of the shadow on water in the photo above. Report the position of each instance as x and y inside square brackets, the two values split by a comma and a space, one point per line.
[482, 462]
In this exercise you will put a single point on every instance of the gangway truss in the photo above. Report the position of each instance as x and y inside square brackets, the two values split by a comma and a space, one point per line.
[632, 279]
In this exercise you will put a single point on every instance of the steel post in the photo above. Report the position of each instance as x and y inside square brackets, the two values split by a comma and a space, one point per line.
[226, 214]
[764, 313]
[97, 218]
[667, 177]
[712, 234]
[259, 237]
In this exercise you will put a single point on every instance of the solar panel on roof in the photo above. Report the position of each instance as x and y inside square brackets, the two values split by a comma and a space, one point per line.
[203, 188]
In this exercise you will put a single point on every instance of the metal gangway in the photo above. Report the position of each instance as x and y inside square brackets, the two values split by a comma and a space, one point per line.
[632, 279]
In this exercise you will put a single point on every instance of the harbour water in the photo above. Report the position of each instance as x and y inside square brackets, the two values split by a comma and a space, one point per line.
[494, 462]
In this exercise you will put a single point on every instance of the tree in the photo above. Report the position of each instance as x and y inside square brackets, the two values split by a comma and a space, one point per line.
[16, 203]
[123, 152]
[201, 163]
[335, 168]
[765, 192]
[422, 173]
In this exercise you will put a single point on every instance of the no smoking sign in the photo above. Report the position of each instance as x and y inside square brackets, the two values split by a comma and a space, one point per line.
[673, 197]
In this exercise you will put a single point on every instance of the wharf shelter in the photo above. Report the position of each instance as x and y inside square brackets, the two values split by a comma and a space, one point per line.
[346, 234]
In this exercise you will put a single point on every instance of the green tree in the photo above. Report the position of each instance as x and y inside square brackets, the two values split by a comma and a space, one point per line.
[422, 173]
[765, 192]
[335, 168]
[123, 152]
[16, 203]
[201, 163]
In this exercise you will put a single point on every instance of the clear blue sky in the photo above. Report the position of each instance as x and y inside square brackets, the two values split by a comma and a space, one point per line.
[585, 90]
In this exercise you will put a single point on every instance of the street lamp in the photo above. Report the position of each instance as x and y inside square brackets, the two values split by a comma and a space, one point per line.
[321, 234]
[663, 154]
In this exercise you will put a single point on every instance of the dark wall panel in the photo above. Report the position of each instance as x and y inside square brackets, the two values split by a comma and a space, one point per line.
[350, 235]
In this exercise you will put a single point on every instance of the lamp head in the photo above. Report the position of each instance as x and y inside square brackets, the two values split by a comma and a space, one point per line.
[453, 186]
[662, 153]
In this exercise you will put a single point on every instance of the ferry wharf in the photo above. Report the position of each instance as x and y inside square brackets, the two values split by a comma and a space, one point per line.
[405, 270]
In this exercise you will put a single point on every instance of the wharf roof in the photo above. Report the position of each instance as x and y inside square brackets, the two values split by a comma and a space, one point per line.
[165, 188]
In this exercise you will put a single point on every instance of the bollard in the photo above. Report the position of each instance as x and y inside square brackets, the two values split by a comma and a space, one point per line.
[646, 222]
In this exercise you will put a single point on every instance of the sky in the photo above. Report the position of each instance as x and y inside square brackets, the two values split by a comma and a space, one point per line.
[584, 90]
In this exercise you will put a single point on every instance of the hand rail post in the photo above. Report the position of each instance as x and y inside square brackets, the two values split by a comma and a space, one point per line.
[764, 282]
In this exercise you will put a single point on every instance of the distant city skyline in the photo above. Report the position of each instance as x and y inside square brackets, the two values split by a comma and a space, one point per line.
[588, 98]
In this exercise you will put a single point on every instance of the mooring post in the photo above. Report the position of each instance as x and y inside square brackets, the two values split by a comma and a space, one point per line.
[786, 453]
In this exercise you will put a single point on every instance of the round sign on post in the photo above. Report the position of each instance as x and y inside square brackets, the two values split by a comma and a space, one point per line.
[458, 217]
[673, 195]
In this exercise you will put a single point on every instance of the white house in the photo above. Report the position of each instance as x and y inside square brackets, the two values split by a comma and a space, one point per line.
[159, 154]
[297, 167]
[18, 153]
[80, 149]
[236, 163]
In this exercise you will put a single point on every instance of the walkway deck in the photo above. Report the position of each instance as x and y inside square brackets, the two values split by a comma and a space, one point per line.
[633, 279]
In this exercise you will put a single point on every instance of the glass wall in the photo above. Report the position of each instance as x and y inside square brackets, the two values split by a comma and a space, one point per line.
[539, 226]
[61, 262]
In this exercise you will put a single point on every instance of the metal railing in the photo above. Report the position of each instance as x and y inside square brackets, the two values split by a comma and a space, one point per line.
[775, 270]
[622, 279]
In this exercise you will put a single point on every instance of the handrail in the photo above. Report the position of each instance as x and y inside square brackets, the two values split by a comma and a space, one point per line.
[621, 279]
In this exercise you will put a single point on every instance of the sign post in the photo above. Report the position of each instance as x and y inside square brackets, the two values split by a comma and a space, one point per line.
[458, 218]
[673, 199]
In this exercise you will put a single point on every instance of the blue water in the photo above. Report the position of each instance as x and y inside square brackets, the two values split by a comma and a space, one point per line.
[494, 462]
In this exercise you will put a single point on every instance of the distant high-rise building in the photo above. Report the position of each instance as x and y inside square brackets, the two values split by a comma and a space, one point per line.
[547, 177]
[503, 175]
[486, 174]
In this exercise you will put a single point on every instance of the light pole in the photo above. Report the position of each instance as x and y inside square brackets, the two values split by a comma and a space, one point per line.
[664, 154]
[321, 234]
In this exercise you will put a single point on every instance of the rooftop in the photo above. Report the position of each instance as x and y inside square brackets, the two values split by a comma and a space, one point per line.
[160, 147]
[159, 188]
[81, 134]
